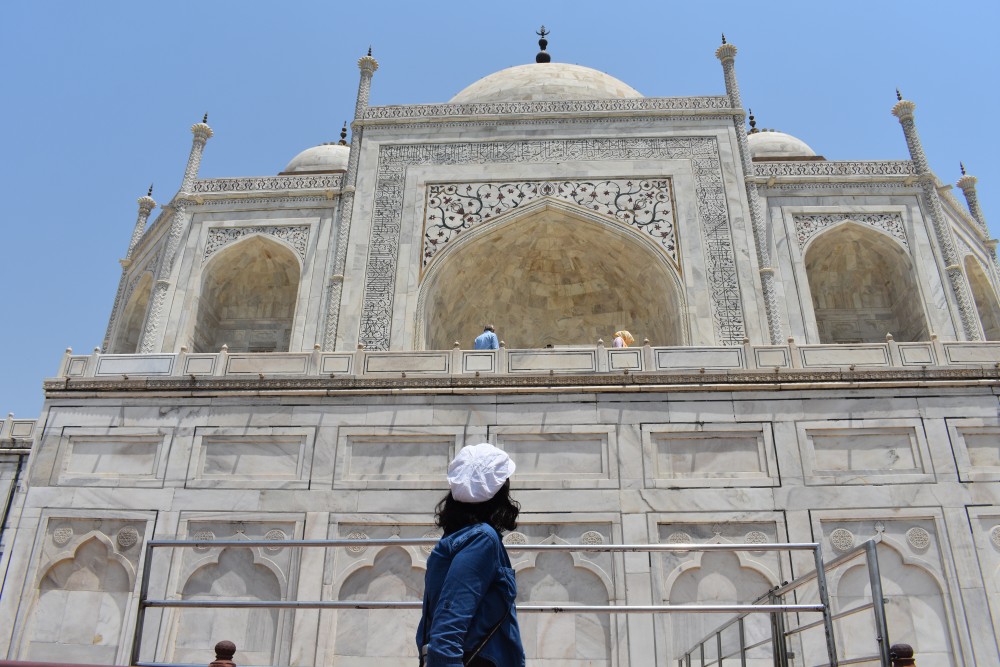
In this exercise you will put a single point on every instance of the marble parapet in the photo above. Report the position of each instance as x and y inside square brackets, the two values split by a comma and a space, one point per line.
[646, 106]
[16, 434]
[750, 365]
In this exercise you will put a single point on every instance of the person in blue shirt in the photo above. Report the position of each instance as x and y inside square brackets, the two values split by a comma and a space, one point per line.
[488, 339]
[469, 589]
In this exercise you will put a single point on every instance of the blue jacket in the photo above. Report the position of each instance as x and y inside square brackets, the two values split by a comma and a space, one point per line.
[487, 341]
[468, 587]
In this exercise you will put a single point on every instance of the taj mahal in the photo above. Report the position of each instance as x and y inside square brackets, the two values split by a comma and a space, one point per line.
[289, 358]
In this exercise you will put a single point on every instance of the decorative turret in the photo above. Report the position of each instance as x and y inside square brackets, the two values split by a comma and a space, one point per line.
[146, 205]
[202, 133]
[967, 184]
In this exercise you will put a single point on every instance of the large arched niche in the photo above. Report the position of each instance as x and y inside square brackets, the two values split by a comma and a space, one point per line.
[248, 297]
[985, 298]
[862, 286]
[551, 275]
[130, 327]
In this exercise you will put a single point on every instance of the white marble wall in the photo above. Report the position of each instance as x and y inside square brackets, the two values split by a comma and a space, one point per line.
[910, 467]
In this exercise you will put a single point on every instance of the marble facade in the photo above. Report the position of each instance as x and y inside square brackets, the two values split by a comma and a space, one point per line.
[817, 360]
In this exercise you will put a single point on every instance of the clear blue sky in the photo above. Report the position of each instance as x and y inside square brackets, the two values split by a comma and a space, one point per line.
[98, 98]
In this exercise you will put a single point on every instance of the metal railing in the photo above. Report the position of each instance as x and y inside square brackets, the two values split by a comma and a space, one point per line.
[775, 609]
[779, 634]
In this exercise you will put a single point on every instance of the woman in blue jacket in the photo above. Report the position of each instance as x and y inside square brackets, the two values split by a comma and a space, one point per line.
[469, 590]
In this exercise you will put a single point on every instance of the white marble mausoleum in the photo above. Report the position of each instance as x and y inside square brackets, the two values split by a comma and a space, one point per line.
[290, 357]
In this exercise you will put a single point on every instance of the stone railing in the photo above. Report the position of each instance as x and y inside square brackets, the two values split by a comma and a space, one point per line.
[593, 360]
[16, 434]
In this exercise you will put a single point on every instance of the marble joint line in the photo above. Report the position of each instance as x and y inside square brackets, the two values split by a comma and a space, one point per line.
[808, 225]
[642, 203]
[702, 152]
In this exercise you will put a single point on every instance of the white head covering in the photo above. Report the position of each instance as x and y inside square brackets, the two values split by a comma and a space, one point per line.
[478, 472]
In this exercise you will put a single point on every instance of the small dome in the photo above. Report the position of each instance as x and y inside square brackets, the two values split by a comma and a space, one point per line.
[774, 144]
[325, 157]
[544, 81]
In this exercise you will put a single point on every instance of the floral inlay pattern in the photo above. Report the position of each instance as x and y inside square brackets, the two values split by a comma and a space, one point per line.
[456, 207]
[807, 226]
[297, 237]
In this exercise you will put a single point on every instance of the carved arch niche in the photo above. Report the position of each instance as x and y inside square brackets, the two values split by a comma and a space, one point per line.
[915, 608]
[133, 316]
[862, 286]
[985, 298]
[248, 296]
[551, 274]
[83, 592]
[379, 637]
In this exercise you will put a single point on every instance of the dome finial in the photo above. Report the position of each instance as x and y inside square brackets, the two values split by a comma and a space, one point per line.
[204, 119]
[343, 135]
[753, 123]
[723, 38]
[369, 50]
[962, 167]
[543, 43]
[899, 96]
[150, 192]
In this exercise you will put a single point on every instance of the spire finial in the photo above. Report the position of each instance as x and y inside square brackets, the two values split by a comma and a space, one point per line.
[962, 167]
[753, 123]
[723, 38]
[369, 50]
[543, 43]
[343, 134]
[204, 119]
[899, 96]
[149, 193]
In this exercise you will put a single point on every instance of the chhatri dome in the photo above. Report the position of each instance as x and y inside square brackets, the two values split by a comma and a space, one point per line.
[545, 81]
[331, 156]
[774, 145]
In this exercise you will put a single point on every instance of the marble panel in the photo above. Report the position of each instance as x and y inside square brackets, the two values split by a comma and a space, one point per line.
[560, 457]
[251, 457]
[394, 456]
[479, 362]
[692, 455]
[622, 359]
[200, 364]
[559, 361]
[76, 366]
[281, 364]
[134, 364]
[916, 354]
[845, 355]
[985, 523]
[336, 363]
[416, 362]
[772, 357]
[116, 456]
[864, 451]
[692, 357]
[971, 353]
[976, 445]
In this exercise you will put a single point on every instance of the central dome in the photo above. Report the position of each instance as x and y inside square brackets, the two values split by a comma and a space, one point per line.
[544, 81]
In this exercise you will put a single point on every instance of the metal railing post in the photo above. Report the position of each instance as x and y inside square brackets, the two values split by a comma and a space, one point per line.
[824, 598]
[743, 643]
[718, 647]
[140, 617]
[878, 603]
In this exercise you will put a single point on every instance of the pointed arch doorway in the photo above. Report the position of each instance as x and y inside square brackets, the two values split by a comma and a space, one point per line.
[551, 275]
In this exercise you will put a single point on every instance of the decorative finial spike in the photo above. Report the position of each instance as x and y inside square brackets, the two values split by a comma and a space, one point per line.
[723, 38]
[369, 51]
[542, 56]
[343, 134]
[204, 119]
[753, 123]
[150, 192]
[962, 166]
[899, 96]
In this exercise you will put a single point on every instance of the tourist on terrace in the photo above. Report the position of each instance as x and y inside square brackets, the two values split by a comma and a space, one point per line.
[469, 589]
[623, 339]
[488, 339]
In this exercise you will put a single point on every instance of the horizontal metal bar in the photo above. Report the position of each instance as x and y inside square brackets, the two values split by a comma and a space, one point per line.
[854, 661]
[529, 609]
[406, 542]
[809, 576]
[834, 617]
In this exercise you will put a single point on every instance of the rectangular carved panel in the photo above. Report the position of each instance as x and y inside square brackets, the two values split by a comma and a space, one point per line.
[266, 457]
[394, 457]
[583, 456]
[114, 456]
[709, 455]
[864, 451]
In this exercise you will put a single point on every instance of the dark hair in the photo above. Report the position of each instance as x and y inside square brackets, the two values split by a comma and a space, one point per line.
[489, 327]
[500, 511]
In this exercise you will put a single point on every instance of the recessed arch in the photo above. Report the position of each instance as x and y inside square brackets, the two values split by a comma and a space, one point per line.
[551, 274]
[96, 587]
[862, 286]
[133, 317]
[248, 296]
[985, 297]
